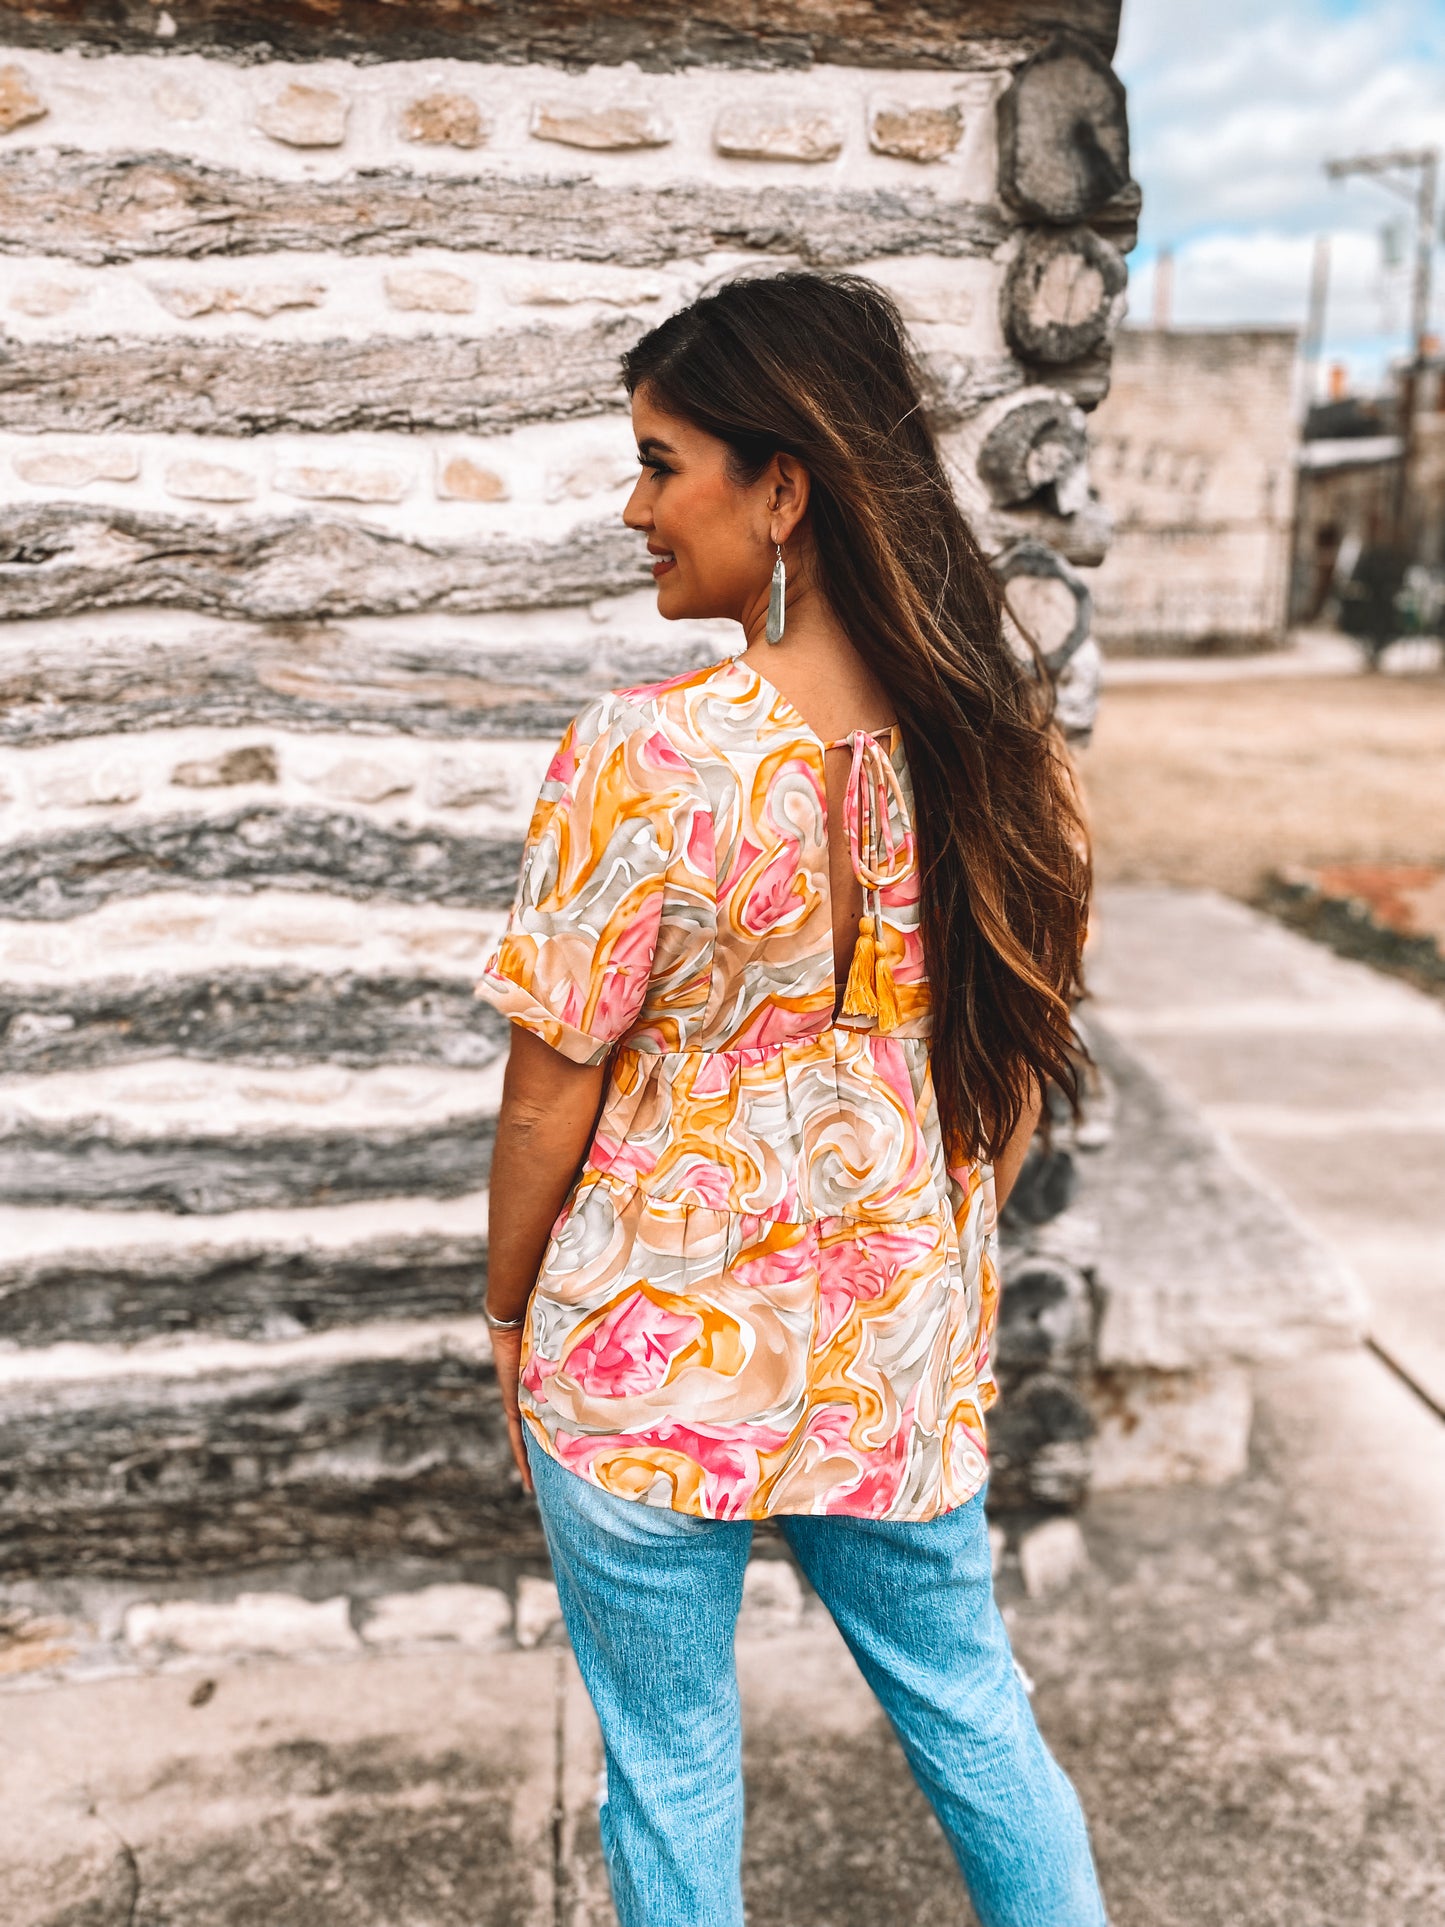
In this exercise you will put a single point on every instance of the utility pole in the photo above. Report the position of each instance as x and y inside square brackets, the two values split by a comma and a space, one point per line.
[1412, 173]
[1313, 344]
[1164, 288]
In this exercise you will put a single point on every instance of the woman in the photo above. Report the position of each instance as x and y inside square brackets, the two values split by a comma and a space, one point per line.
[790, 965]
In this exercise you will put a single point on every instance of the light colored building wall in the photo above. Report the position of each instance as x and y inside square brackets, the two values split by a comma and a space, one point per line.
[1193, 455]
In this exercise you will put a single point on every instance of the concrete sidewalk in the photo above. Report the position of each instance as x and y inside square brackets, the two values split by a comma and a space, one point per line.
[1245, 1682]
[1328, 1076]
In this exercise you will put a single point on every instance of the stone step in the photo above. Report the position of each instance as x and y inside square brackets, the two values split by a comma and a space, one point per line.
[94, 1627]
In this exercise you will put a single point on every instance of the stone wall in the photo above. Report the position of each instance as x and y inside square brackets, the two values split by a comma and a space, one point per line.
[1194, 453]
[312, 448]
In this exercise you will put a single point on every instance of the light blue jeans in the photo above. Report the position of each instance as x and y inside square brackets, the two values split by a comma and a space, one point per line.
[651, 1598]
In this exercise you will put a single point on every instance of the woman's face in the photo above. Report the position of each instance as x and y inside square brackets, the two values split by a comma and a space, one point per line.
[709, 537]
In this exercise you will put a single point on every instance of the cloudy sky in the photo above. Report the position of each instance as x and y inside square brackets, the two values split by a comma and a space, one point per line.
[1234, 105]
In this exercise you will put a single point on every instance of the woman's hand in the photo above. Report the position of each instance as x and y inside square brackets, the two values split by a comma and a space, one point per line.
[507, 1358]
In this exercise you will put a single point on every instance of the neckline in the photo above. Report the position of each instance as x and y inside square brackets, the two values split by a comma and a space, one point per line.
[891, 730]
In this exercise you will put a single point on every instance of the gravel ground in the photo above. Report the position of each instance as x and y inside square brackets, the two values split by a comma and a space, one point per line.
[1218, 782]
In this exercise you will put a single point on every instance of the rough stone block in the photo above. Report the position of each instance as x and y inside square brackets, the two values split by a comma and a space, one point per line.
[1063, 135]
[19, 102]
[444, 119]
[457, 1614]
[1076, 694]
[90, 785]
[1051, 1555]
[1169, 1428]
[259, 298]
[256, 763]
[304, 116]
[431, 291]
[1044, 1187]
[592, 474]
[254, 1622]
[622, 125]
[176, 100]
[346, 482]
[1047, 599]
[460, 479]
[565, 287]
[361, 779]
[1063, 294]
[77, 467]
[772, 1597]
[539, 1612]
[656, 35]
[1039, 1437]
[777, 134]
[1035, 446]
[30, 1641]
[196, 481]
[42, 299]
[1046, 1318]
[456, 783]
[913, 132]
[83, 207]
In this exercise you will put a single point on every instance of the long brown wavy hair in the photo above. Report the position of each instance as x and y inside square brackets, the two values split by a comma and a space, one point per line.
[820, 367]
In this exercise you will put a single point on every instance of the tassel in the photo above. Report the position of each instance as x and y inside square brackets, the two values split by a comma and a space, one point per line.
[886, 992]
[860, 999]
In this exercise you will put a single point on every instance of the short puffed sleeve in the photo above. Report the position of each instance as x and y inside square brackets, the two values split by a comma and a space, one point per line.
[610, 830]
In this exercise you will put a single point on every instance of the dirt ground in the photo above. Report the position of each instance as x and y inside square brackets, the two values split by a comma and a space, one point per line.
[1219, 783]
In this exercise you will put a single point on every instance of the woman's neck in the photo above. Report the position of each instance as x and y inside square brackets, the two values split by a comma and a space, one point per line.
[819, 671]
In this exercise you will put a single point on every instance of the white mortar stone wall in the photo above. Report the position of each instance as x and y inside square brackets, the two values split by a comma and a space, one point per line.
[312, 453]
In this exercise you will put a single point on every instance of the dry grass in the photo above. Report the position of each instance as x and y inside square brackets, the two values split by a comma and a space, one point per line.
[1220, 783]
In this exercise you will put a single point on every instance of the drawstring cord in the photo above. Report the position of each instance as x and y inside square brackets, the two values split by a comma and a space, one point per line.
[879, 862]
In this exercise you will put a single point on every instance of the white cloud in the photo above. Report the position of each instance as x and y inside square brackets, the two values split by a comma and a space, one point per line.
[1262, 275]
[1233, 112]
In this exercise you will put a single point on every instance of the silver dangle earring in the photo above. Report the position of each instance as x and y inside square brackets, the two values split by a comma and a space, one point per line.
[777, 596]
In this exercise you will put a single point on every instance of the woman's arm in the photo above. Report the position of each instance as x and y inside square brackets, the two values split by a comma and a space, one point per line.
[549, 1111]
[1009, 1161]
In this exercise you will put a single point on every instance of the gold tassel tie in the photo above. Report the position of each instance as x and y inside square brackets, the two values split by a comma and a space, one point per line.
[871, 990]
[885, 991]
[860, 998]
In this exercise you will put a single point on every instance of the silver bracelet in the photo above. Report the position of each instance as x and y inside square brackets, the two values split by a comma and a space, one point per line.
[502, 1324]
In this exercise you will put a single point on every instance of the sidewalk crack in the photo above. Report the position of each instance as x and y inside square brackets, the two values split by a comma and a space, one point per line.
[129, 1861]
[560, 1878]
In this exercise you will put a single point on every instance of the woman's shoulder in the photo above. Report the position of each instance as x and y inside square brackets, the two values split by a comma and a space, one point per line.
[668, 709]
[666, 733]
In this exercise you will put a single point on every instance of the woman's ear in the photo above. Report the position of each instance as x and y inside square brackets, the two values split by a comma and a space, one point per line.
[787, 496]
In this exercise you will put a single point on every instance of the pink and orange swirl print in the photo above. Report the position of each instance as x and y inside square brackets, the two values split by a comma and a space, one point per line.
[767, 1292]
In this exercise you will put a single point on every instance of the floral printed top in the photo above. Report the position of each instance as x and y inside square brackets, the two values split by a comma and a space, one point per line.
[765, 1293]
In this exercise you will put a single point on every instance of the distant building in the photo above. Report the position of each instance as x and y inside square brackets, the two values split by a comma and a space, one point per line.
[1349, 465]
[1193, 453]
[1349, 478]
